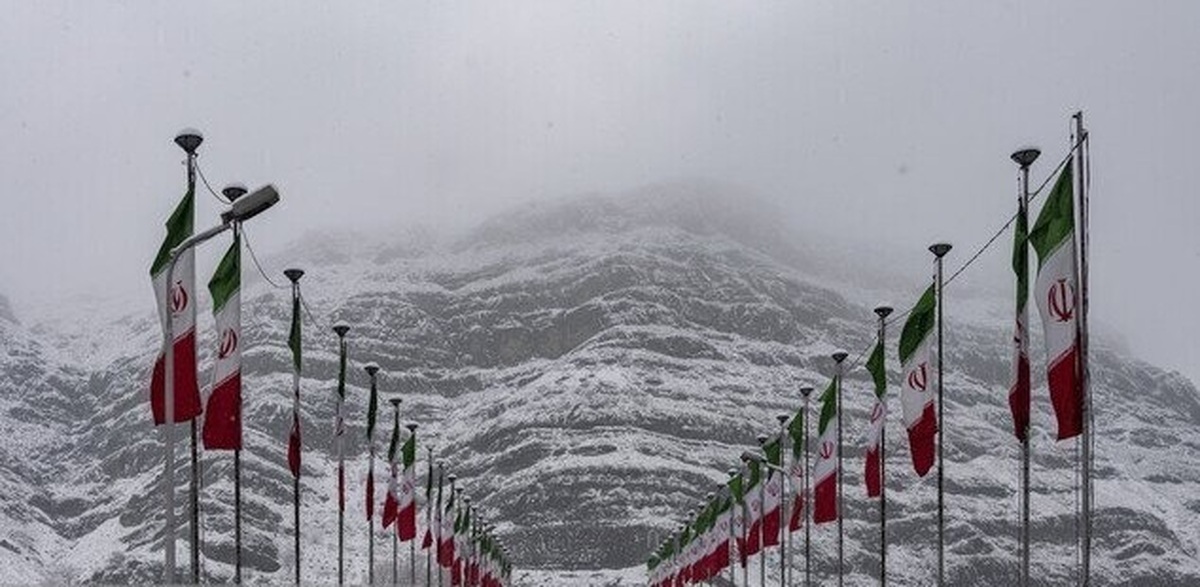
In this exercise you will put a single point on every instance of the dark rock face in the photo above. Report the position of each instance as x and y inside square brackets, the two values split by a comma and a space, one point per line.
[590, 369]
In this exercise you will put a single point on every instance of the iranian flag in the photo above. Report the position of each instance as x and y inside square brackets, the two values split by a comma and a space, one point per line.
[917, 381]
[427, 541]
[739, 515]
[754, 503]
[446, 534]
[825, 469]
[178, 298]
[796, 434]
[1018, 391]
[1053, 238]
[408, 491]
[339, 421]
[391, 502]
[223, 422]
[293, 455]
[772, 494]
[872, 473]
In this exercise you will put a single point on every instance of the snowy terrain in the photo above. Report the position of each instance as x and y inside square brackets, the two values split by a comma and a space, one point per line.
[590, 368]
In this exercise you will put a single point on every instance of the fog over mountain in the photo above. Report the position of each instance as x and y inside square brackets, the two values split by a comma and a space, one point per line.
[590, 366]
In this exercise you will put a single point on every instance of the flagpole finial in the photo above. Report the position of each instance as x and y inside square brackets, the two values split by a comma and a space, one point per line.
[761, 438]
[1025, 156]
[782, 418]
[294, 274]
[452, 477]
[371, 369]
[806, 391]
[883, 311]
[234, 191]
[840, 356]
[732, 473]
[711, 495]
[189, 140]
[395, 403]
[939, 250]
[412, 427]
[341, 328]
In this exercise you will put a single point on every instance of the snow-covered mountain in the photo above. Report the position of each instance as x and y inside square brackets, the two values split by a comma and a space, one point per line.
[591, 368]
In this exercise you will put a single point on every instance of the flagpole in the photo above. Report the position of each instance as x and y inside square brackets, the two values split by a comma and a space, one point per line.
[340, 330]
[294, 276]
[806, 391]
[372, 372]
[453, 478]
[730, 547]
[396, 529]
[762, 504]
[883, 312]
[437, 539]
[939, 251]
[1081, 136]
[412, 431]
[783, 503]
[429, 519]
[1024, 158]
[838, 357]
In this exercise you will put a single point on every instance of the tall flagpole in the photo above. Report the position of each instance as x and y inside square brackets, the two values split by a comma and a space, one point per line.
[341, 329]
[372, 371]
[883, 312]
[294, 276]
[396, 523]
[1082, 171]
[805, 503]
[1024, 158]
[838, 357]
[437, 538]
[429, 506]
[232, 193]
[732, 540]
[762, 503]
[939, 251]
[412, 544]
[783, 503]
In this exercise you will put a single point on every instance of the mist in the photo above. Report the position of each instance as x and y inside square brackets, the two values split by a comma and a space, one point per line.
[887, 125]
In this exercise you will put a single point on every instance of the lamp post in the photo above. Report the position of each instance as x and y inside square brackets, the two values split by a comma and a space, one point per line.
[395, 401]
[412, 490]
[939, 251]
[241, 211]
[341, 329]
[372, 370]
[839, 357]
[806, 391]
[883, 312]
[1019, 395]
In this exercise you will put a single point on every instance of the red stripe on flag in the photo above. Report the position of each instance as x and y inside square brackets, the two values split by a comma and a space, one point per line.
[797, 513]
[1018, 398]
[370, 494]
[408, 522]
[293, 455]
[871, 472]
[1066, 394]
[770, 528]
[825, 500]
[341, 487]
[920, 441]
[187, 392]
[223, 416]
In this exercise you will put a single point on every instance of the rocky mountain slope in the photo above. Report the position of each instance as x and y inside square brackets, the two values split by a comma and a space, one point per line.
[591, 368]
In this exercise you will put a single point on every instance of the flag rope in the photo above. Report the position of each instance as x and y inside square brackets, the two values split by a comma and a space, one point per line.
[214, 193]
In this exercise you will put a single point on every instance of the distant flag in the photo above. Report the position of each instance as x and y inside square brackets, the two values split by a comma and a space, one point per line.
[754, 503]
[223, 422]
[372, 416]
[446, 535]
[825, 469]
[391, 502]
[408, 490]
[773, 493]
[737, 489]
[293, 456]
[1018, 394]
[875, 365]
[1053, 237]
[427, 541]
[339, 422]
[796, 433]
[179, 299]
[918, 381]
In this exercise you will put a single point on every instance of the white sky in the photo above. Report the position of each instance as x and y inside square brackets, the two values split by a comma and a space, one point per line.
[889, 121]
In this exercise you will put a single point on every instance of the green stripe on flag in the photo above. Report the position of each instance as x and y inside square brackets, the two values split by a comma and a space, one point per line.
[796, 431]
[828, 406]
[1056, 221]
[179, 228]
[228, 278]
[410, 451]
[876, 369]
[294, 334]
[918, 325]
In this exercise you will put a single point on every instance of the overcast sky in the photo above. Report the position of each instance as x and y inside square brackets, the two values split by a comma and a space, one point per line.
[890, 121]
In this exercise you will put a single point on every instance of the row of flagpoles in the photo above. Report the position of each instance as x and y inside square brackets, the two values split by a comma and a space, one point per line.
[464, 547]
[744, 516]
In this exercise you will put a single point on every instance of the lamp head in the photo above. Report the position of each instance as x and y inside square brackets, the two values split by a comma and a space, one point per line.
[839, 356]
[395, 402]
[412, 427]
[1025, 156]
[452, 477]
[732, 473]
[761, 438]
[783, 418]
[341, 328]
[256, 203]
[806, 391]
[234, 191]
[189, 140]
[883, 311]
[371, 369]
[939, 250]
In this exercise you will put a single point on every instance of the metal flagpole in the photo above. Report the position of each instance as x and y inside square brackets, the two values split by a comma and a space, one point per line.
[341, 329]
[1024, 158]
[1081, 173]
[838, 357]
[294, 276]
[762, 503]
[232, 193]
[805, 503]
[412, 544]
[939, 251]
[194, 526]
[429, 506]
[883, 312]
[189, 141]
[453, 478]
[732, 540]
[396, 523]
[372, 371]
[783, 503]
[437, 538]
